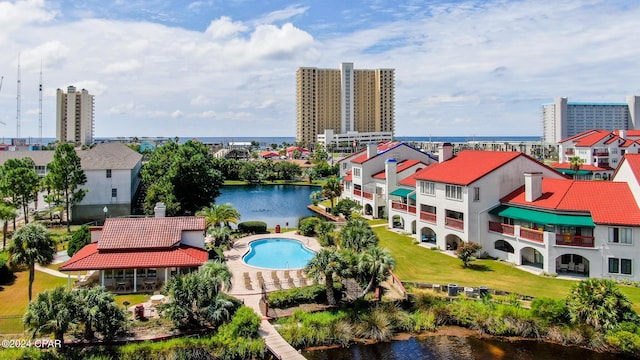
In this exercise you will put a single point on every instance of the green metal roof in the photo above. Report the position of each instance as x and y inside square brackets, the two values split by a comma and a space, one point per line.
[571, 172]
[401, 192]
[541, 217]
[413, 196]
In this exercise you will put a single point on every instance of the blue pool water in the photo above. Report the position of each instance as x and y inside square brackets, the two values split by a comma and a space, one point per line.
[278, 254]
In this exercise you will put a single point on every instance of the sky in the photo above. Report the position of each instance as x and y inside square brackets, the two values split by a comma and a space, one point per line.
[224, 68]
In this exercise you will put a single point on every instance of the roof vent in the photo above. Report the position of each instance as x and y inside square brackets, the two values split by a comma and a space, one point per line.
[160, 210]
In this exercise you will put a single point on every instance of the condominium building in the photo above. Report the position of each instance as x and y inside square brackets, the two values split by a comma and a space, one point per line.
[344, 100]
[74, 116]
[563, 119]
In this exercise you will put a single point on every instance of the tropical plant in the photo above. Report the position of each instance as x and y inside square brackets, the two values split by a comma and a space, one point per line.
[599, 303]
[376, 264]
[332, 189]
[357, 235]
[218, 215]
[32, 244]
[324, 265]
[575, 162]
[98, 311]
[467, 252]
[20, 182]
[53, 311]
[307, 226]
[315, 197]
[79, 238]
[553, 311]
[221, 236]
[66, 176]
[7, 212]
[310, 174]
[325, 230]
[346, 207]
[252, 227]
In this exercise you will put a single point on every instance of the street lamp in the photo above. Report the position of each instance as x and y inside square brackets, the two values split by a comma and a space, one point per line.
[105, 210]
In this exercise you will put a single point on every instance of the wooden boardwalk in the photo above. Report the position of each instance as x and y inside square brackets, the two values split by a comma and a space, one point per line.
[276, 344]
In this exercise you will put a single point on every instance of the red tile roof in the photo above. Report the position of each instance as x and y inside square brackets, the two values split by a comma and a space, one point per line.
[410, 180]
[634, 164]
[91, 258]
[467, 167]
[608, 202]
[402, 166]
[576, 137]
[147, 233]
[348, 177]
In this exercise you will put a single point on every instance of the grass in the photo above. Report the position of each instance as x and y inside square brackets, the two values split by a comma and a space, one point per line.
[132, 299]
[416, 263]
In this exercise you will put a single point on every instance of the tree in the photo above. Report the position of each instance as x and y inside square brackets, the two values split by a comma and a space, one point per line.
[310, 173]
[315, 197]
[32, 244]
[346, 207]
[325, 230]
[376, 264]
[467, 252]
[98, 311]
[217, 215]
[52, 198]
[250, 173]
[357, 235]
[575, 162]
[181, 176]
[79, 239]
[7, 212]
[599, 303]
[319, 153]
[287, 170]
[67, 176]
[332, 189]
[221, 236]
[53, 311]
[324, 265]
[20, 182]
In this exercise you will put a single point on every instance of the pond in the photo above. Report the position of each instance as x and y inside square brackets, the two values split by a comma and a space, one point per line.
[453, 348]
[273, 204]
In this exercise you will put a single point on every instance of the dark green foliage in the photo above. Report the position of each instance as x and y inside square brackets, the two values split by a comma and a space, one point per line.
[332, 189]
[252, 227]
[599, 303]
[19, 181]
[181, 176]
[308, 225]
[79, 239]
[32, 244]
[551, 310]
[357, 235]
[66, 177]
[302, 295]
[626, 338]
[5, 273]
[346, 207]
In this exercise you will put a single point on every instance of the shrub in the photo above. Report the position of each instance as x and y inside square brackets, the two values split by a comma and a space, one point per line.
[550, 310]
[79, 239]
[308, 226]
[302, 295]
[252, 227]
[467, 252]
[599, 303]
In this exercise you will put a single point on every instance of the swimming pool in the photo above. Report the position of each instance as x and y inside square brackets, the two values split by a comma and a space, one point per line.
[278, 254]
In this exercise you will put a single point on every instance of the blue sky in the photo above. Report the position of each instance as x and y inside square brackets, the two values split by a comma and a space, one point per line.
[227, 68]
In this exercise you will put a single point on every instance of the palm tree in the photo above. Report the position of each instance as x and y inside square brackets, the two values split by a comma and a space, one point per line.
[219, 214]
[575, 162]
[375, 263]
[324, 265]
[32, 244]
[599, 303]
[332, 189]
[51, 312]
[99, 312]
[357, 235]
[324, 229]
[7, 212]
[220, 235]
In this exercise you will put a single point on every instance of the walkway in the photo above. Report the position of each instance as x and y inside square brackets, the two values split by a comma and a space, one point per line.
[276, 344]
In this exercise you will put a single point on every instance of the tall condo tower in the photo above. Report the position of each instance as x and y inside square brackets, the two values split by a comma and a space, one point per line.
[343, 100]
[74, 116]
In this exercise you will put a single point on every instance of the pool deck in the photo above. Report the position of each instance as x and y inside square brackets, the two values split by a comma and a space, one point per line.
[276, 344]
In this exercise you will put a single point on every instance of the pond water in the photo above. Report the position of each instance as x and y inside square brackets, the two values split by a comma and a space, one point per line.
[453, 348]
[273, 204]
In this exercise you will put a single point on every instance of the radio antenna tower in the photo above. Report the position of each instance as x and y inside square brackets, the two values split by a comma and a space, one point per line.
[19, 100]
[40, 108]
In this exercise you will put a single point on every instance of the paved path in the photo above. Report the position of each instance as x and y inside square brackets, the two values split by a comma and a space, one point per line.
[276, 344]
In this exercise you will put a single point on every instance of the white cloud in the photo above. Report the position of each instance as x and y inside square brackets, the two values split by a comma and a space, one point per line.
[177, 114]
[122, 67]
[283, 14]
[224, 28]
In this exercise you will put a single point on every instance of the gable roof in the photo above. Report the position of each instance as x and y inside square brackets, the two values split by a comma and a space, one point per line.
[115, 156]
[402, 166]
[468, 166]
[608, 202]
[634, 164]
[39, 157]
[146, 233]
[382, 148]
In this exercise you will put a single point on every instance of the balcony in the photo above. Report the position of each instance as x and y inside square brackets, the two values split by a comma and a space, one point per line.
[357, 192]
[367, 195]
[532, 235]
[575, 240]
[505, 229]
[403, 207]
[454, 223]
[601, 152]
[569, 152]
[427, 217]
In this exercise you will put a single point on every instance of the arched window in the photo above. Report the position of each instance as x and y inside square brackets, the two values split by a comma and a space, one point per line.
[503, 246]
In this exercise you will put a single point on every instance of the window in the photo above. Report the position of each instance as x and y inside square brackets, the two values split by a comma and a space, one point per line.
[620, 236]
[356, 172]
[454, 192]
[108, 173]
[620, 266]
[114, 192]
[503, 246]
[476, 194]
[427, 188]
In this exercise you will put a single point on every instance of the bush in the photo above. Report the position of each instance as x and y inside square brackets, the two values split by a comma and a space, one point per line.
[302, 295]
[79, 239]
[308, 226]
[252, 227]
[550, 310]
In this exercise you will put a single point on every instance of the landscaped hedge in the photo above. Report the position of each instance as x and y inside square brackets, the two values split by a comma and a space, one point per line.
[307, 226]
[252, 227]
[302, 295]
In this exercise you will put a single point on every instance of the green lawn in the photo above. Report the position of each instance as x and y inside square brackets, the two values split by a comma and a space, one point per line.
[416, 263]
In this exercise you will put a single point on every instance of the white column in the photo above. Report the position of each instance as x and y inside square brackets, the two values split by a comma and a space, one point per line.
[101, 278]
[166, 274]
[68, 281]
[135, 280]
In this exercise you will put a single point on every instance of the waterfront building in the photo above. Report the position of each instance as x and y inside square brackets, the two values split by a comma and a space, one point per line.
[563, 119]
[343, 100]
[332, 140]
[74, 116]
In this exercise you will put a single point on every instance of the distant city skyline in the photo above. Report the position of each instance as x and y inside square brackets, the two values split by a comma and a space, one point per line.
[218, 69]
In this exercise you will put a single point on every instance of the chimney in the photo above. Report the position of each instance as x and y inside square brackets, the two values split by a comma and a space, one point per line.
[622, 134]
[372, 150]
[445, 152]
[391, 172]
[532, 186]
[160, 210]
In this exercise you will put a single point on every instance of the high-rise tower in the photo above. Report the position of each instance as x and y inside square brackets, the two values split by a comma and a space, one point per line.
[74, 116]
